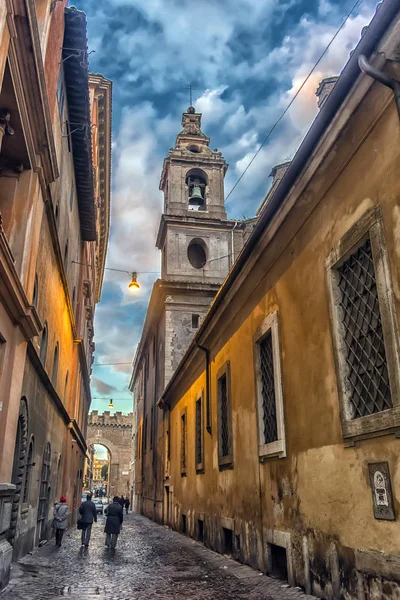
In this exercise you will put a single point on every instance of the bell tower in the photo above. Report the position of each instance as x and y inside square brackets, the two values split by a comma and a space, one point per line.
[194, 235]
[193, 175]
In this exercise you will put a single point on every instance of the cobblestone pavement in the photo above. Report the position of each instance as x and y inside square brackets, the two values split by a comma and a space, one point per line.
[150, 562]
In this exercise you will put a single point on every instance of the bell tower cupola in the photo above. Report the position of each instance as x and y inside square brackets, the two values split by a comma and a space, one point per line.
[192, 178]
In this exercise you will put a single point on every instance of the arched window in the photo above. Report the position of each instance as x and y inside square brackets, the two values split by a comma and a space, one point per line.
[35, 292]
[44, 495]
[18, 468]
[196, 181]
[54, 371]
[197, 253]
[28, 471]
[43, 345]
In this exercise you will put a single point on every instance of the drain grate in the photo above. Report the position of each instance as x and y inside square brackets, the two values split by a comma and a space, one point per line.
[77, 590]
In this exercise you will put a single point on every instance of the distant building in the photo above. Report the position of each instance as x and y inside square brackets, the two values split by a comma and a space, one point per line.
[55, 146]
[281, 423]
[98, 465]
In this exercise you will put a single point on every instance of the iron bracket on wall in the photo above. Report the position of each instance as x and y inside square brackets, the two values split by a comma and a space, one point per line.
[382, 77]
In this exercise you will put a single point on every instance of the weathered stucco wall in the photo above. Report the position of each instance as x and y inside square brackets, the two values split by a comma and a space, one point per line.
[317, 501]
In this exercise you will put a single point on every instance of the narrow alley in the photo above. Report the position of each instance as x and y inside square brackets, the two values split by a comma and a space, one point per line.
[149, 562]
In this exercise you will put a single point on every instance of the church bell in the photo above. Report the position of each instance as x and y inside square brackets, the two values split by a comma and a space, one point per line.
[196, 199]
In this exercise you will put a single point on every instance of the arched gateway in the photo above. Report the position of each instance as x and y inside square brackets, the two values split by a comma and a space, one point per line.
[115, 433]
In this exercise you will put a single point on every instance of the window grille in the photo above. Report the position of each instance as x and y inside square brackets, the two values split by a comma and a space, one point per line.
[152, 428]
[183, 442]
[44, 493]
[223, 402]
[199, 433]
[367, 374]
[270, 426]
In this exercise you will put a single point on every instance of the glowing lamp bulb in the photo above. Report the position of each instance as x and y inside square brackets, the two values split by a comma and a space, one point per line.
[134, 286]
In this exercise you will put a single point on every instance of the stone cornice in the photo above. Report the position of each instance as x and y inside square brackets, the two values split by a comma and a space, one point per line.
[197, 222]
[13, 294]
[103, 87]
[26, 64]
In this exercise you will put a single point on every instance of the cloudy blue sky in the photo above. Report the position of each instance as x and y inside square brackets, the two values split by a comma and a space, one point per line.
[246, 58]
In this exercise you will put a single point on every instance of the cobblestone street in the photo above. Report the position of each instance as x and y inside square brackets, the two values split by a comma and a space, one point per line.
[150, 562]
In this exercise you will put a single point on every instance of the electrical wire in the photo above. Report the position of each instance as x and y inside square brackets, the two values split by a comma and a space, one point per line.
[358, 3]
[111, 364]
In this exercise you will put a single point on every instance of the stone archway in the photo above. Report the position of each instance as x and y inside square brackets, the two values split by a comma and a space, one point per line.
[114, 461]
[115, 433]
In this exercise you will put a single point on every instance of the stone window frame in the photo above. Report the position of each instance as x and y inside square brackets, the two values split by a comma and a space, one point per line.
[385, 422]
[199, 398]
[225, 462]
[183, 445]
[276, 449]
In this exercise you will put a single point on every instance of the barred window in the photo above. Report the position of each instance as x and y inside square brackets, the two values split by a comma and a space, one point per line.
[268, 389]
[367, 375]
[199, 433]
[225, 442]
[271, 427]
[151, 427]
[183, 443]
[364, 328]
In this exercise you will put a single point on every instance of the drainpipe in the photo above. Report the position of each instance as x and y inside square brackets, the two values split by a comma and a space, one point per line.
[208, 387]
[233, 243]
[382, 77]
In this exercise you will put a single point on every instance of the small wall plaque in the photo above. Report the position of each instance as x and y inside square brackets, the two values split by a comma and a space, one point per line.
[382, 498]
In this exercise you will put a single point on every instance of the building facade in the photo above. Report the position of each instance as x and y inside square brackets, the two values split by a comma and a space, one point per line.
[98, 465]
[283, 450]
[54, 205]
[198, 245]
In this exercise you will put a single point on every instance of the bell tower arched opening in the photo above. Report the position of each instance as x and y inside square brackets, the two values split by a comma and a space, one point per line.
[196, 182]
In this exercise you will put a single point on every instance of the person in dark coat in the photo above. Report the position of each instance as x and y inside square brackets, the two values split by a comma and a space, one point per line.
[127, 503]
[122, 502]
[114, 520]
[88, 513]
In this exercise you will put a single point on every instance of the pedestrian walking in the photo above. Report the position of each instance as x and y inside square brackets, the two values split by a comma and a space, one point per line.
[127, 503]
[122, 502]
[115, 516]
[88, 513]
[60, 521]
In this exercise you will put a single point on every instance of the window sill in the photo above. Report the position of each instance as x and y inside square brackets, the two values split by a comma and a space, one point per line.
[383, 423]
[225, 462]
[199, 468]
[273, 450]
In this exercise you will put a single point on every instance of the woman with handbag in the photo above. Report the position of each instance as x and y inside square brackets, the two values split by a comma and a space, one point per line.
[60, 521]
